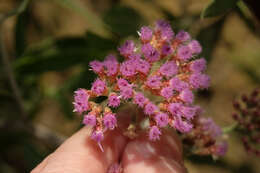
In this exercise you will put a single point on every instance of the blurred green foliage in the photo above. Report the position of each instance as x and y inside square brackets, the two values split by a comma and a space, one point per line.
[218, 7]
[51, 54]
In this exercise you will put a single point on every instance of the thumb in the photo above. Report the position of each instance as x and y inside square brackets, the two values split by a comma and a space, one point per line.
[81, 154]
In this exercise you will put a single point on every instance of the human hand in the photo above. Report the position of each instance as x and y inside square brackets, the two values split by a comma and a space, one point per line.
[80, 154]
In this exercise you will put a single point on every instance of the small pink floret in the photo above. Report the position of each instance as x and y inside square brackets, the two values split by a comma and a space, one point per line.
[150, 108]
[169, 69]
[113, 100]
[89, 119]
[154, 133]
[109, 121]
[139, 99]
[96, 66]
[98, 87]
[161, 119]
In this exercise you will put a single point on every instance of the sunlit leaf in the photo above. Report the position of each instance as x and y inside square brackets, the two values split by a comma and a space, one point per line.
[218, 7]
[208, 38]
[95, 23]
[247, 17]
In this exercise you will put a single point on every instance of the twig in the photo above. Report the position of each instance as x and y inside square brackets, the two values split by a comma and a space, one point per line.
[14, 12]
[5, 56]
[230, 128]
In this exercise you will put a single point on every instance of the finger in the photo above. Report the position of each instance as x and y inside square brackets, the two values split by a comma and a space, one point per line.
[143, 155]
[80, 154]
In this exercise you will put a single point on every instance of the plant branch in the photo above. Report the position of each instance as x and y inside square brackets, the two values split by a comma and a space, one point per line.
[14, 12]
[6, 58]
[230, 128]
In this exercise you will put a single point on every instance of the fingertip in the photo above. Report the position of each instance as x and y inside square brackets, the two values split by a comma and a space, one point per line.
[82, 154]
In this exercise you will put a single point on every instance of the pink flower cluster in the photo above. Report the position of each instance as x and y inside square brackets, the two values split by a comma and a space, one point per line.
[158, 75]
[206, 138]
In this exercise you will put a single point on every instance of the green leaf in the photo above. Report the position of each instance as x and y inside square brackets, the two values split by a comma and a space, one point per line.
[63, 53]
[65, 104]
[123, 21]
[218, 7]
[20, 33]
[81, 80]
[208, 38]
[96, 25]
[245, 14]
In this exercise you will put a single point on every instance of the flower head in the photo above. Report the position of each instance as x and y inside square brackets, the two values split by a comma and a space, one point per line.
[165, 30]
[184, 53]
[111, 65]
[96, 66]
[146, 34]
[195, 47]
[127, 68]
[126, 92]
[154, 133]
[154, 82]
[187, 96]
[139, 99]
[143, 66]
[178, 85]
[166, 50]
[150, 108]
[98, 87]
[127, 48]
[188, 112]
[161, 119]
[150, 53]
[89, 119]
[109, 121]
[169, 69]
[157, 77]
[182, 126]
[210, 127]
[206, 137]
[167, 92]
[97, 135]
[81, 101]
[198, 65]
[221, 148]
[183, 36]
[113, 100]
[198, 80]
[175, 109]
[121, 83]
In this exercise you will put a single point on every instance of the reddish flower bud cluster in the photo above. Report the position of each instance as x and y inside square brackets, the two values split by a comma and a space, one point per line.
[247, 117]
[158, 75]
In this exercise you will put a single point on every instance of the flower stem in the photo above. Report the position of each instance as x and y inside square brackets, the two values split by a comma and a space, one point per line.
[230, 128]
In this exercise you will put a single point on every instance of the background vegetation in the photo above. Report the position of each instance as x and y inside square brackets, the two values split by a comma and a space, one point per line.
[46, 46]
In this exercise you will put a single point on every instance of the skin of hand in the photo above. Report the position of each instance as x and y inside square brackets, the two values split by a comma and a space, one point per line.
[80, 154]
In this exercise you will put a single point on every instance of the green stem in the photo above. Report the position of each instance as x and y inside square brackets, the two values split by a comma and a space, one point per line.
[21, 8]
[230, 128]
